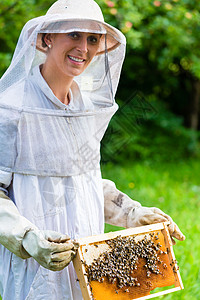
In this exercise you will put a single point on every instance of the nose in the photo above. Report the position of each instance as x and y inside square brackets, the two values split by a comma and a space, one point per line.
[83, 45]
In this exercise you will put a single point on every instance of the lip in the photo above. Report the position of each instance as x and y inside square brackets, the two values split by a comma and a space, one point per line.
[76, 62]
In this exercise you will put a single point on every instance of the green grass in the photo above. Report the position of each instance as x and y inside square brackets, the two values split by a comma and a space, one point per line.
[174, 188]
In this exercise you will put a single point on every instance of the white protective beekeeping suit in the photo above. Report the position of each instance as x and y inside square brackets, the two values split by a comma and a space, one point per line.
[50, 155]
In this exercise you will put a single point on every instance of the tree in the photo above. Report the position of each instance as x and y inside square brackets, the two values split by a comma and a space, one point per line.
[163, 56]
[13, 15]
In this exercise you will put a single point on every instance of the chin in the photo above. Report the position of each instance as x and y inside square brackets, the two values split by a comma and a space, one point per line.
[72, 73]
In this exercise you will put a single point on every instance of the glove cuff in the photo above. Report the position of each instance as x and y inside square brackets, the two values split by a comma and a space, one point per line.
[23, 253]
[13, 227]
[132, 218]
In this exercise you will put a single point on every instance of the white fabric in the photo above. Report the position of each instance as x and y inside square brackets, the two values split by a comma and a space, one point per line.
[27, 131]
[38, 84]
[5, 178]
[72, 205]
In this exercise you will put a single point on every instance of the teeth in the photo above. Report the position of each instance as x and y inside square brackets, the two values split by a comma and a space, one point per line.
[76, 59]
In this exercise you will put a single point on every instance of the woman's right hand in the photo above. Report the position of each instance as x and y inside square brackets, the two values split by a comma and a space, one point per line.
[52, 250]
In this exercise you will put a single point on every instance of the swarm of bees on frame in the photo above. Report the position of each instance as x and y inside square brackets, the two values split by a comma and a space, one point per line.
[118, 264]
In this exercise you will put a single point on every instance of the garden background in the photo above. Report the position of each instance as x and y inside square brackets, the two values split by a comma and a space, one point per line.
[151, 149]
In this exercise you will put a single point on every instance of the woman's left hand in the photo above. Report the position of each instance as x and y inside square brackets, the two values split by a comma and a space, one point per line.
[140, 216]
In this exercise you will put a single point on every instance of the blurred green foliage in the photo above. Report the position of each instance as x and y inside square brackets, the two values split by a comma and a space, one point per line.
[168, 30]
[13, 16]
[154, 135]
[162, 58]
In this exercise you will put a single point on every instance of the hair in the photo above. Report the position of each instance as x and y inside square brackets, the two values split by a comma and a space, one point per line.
[44, 45]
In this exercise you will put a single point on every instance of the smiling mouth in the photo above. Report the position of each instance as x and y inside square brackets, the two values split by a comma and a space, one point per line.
[76, 59]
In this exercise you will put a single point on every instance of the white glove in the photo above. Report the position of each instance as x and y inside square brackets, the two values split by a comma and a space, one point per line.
[121, 210]
[139, 216]
[50, 249]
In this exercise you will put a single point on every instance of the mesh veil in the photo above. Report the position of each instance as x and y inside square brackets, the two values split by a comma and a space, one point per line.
[27, 131]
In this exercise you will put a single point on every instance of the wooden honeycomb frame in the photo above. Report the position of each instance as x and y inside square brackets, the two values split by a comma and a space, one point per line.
[80, 267]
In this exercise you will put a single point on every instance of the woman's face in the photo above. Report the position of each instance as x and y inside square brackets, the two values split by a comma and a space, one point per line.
[71, 53]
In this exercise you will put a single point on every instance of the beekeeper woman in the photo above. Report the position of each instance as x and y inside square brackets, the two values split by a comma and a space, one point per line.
[56, 100]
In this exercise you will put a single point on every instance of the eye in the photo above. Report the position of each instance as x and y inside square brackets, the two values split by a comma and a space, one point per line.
[93, 39]
[74, 35]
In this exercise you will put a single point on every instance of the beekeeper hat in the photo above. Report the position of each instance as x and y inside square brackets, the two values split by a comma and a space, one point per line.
[100, 78]
[83, 16]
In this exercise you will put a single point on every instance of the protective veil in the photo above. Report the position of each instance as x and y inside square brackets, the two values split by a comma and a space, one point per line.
[50, 152]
